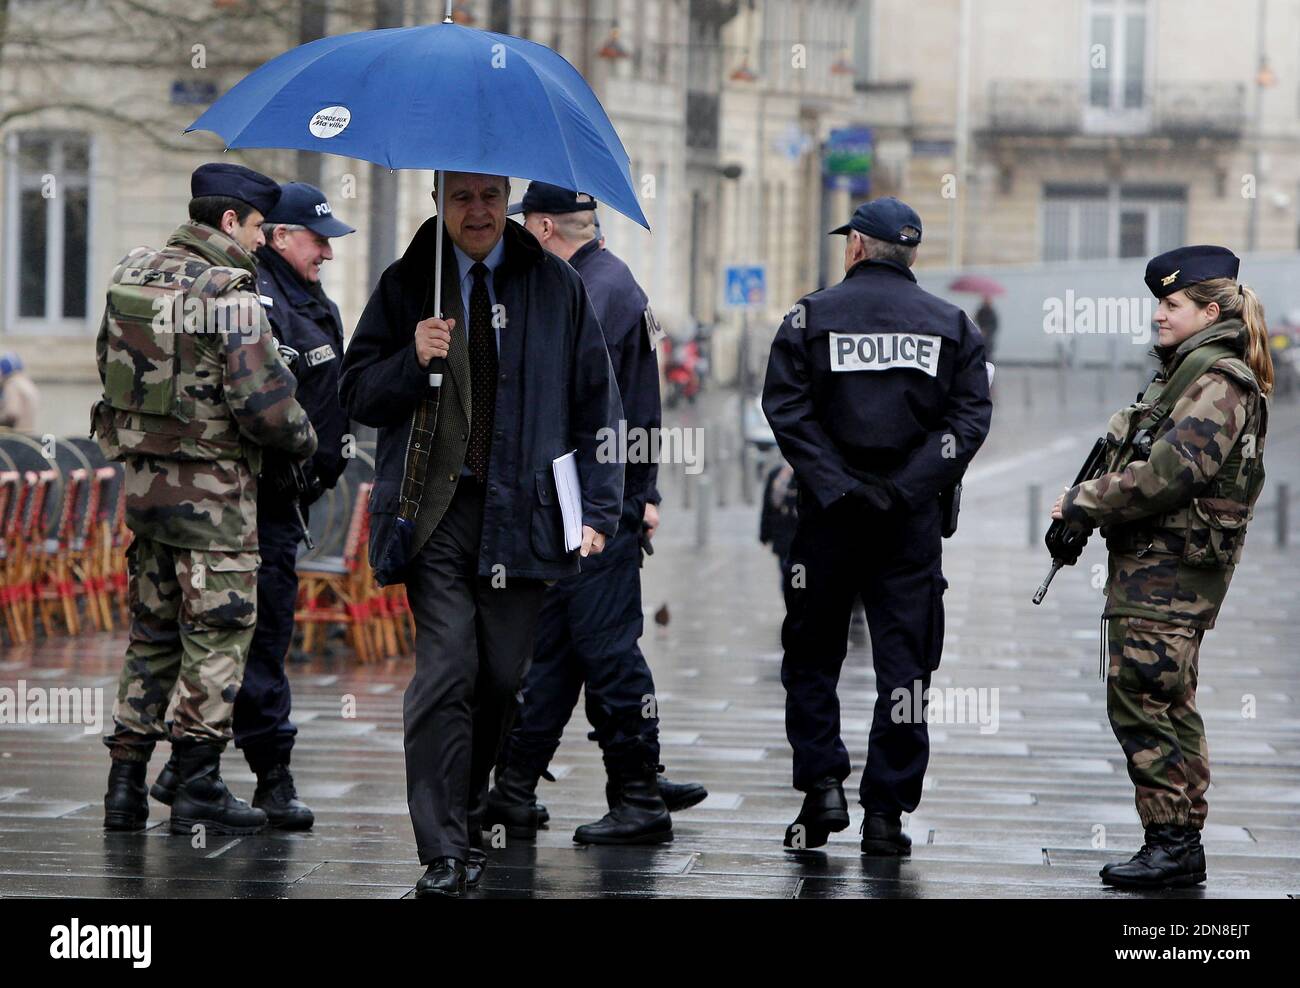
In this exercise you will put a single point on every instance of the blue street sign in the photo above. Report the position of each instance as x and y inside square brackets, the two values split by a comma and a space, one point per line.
[746, 286]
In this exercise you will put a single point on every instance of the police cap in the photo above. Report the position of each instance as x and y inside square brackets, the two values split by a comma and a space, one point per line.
[305, 205]
[1176, 269]
[542, 197]
[887, 219]
[221, 178]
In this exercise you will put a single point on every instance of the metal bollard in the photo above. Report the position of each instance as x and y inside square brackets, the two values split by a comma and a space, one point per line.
[1035, 495]
[1283, 524]
[703, 510]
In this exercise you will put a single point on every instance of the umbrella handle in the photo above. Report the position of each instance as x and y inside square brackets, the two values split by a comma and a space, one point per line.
[435, 378]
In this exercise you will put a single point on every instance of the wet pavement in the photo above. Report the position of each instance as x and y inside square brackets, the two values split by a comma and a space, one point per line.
[1026, 795]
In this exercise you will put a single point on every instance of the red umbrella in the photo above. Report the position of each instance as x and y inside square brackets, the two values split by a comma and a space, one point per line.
[977, 284]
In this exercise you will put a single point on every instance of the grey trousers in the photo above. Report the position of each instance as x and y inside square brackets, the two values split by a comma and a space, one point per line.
[473, 643]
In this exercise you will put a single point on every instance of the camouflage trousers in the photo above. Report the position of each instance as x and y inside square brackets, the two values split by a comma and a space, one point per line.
[1151, 702]
[193, 614]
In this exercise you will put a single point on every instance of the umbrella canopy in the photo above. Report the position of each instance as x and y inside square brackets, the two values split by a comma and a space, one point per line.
[977, 284]
[439, 97]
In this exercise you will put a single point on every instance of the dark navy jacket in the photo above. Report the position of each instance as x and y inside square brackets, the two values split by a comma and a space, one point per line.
[621, 305]
[877, 376]
[304, 318]
[556, 393]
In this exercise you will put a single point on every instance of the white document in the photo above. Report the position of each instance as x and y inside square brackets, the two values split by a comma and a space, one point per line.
[565, 469]
[990, 368]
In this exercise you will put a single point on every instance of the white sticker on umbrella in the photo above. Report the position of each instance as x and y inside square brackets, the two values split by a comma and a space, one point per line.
[330, 122]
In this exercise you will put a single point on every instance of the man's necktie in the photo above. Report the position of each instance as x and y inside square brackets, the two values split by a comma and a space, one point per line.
[482, 374]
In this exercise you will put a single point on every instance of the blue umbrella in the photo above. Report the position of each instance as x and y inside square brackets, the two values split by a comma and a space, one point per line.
[439, 97]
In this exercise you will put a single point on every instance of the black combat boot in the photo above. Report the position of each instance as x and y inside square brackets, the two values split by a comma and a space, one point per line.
[164, 787]
[677, 795]
[638, 815]
[825, 811]
[512, 802]
[1171, 857]
[882, 835]
[126, 805]
[278, 799]
[202, 799]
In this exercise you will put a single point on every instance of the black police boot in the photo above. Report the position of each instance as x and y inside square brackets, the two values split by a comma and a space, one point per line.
[278, 799]
[883, 836]
[126, 805]
[444, 879]
[512, 802]
[543, 816]
[164, 787]
[681, 795]
[825, 811]
[677, 795]
[202, 799]
[638, 815]
[1171, 857]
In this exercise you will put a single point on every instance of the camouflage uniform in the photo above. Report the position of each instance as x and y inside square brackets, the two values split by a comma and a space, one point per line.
[1175, 524]
[193, 388]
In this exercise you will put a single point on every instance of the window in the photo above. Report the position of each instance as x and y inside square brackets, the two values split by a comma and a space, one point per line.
[1117, 54]
[47, 235]
[1094, 222]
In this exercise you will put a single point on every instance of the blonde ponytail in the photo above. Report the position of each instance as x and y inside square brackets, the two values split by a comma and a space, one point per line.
[1236, 301]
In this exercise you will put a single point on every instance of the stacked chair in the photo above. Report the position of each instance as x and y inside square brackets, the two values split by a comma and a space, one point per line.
[63, 543]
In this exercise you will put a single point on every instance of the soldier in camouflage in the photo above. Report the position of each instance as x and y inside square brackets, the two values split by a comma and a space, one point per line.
[194, 389]
[1185, 470]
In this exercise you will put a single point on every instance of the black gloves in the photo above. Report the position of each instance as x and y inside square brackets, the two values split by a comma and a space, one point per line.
[875, 493]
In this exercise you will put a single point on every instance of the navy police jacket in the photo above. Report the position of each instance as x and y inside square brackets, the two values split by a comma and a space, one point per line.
[623, 310]
[303, 318]
[876, 376]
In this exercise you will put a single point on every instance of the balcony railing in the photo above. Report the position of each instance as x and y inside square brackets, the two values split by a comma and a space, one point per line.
[1034, 107]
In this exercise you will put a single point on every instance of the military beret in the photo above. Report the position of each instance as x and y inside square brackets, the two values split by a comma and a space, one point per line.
[887, 219]
[305, 205]
[1176, 269]
[221, 178]
[542, 197]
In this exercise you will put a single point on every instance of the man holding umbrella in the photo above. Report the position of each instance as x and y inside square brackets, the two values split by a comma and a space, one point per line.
[524, 379]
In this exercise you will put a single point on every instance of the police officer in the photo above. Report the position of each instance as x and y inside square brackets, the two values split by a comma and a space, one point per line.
[309, 332]
[194, 392]
[1186, 469]
[590, 623]
[878, 395]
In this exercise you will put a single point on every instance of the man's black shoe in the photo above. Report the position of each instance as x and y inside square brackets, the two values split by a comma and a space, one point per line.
[164, 787]
[512, 802]
[825, 811]
[883, 836]
[475, 865]
[126, 806]
[202, 799]
[543, 816]
[638, 816]
[278, 799]
[445, 879]
[1171, 857]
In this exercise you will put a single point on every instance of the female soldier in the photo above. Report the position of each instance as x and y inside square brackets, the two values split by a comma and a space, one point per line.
[1185, 471]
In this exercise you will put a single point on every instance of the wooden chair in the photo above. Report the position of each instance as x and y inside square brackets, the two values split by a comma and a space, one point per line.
[333, 589]
[13, 500]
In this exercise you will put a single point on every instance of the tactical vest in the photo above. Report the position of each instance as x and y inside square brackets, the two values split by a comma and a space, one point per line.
[162, 352]
[1210, 531]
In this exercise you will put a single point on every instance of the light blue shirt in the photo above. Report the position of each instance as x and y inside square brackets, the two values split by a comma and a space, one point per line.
[464, 262]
